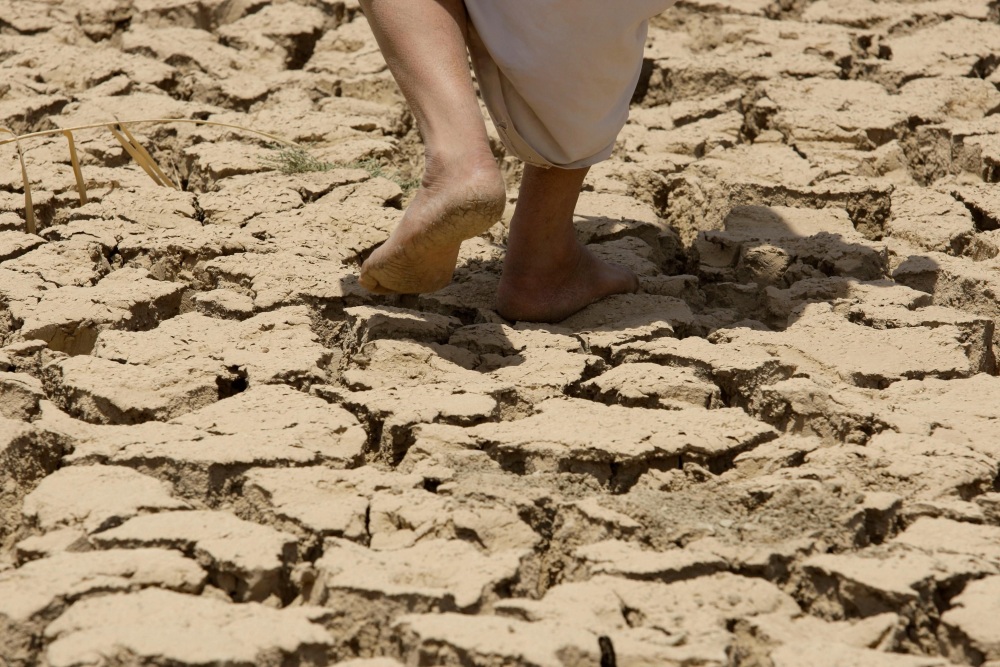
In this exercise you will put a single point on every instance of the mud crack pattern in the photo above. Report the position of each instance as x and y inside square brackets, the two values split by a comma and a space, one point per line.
[216, 448]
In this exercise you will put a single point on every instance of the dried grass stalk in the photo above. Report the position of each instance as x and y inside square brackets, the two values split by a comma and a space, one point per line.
[161, 121]
[80, 186]
[136, 155]
[147, 157]
[29, 207]
[128, 142]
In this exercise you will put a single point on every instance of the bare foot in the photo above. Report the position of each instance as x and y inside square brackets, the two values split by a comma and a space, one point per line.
[455, 203]
[539, 293]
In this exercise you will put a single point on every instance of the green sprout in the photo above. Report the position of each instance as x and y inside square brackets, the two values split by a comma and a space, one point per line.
[297, 160]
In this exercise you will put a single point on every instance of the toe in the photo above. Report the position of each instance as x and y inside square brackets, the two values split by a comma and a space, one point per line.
[633, 283]
[368, 281]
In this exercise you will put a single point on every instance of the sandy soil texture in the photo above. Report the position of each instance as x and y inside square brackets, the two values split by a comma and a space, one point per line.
[215, 448]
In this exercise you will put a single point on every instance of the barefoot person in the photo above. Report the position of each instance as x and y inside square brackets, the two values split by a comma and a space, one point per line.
[557, 77]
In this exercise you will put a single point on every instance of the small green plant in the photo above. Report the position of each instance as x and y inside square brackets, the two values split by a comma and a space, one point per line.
[376, 170]
[409, 185]
[295, 160]
[369, 164]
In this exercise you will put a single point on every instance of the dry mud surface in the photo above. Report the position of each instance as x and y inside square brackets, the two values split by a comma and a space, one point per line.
[217, 449]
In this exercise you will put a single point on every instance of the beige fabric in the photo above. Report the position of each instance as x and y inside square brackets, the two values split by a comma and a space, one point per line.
[558, 75]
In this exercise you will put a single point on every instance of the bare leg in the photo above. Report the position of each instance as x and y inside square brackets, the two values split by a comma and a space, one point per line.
[548, 274]
[424, 44]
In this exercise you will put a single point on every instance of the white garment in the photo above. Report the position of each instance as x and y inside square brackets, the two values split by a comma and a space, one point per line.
[558, 75]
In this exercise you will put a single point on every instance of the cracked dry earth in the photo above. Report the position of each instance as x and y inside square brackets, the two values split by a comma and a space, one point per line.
[783, 452]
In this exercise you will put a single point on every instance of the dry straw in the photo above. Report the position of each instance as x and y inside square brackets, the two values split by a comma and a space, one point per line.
[119, 129]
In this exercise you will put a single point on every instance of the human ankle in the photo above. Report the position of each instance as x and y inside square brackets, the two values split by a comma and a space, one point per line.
[456, 155]
[549, 261]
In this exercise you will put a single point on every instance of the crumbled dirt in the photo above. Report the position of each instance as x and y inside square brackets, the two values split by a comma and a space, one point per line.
[216, 448]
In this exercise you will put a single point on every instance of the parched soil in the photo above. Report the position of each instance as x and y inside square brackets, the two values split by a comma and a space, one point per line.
[216, 448]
